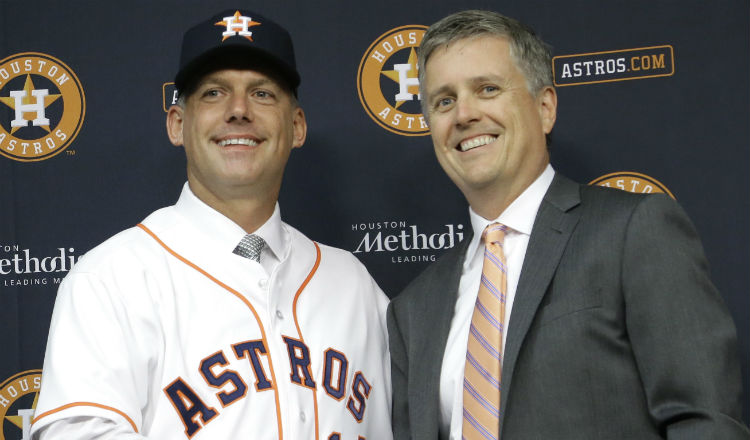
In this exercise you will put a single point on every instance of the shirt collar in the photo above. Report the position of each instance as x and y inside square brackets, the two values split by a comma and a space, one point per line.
[224, 232]
[519, 215]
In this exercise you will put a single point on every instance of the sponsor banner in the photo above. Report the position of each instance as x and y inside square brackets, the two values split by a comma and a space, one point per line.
[616, 65]
[632, 182]
[21, 267]
[42, 107]
[388, 84]
[169, 95]
[401, 242]
[18, 397]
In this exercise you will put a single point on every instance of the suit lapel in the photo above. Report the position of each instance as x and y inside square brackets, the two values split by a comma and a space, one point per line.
[553, 226]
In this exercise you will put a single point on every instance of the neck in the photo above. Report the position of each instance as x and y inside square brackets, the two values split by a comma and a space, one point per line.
[249, 210]
[490, 204]
[491, 201]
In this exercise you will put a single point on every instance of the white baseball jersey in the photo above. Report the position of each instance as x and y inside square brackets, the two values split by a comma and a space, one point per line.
[161, 332]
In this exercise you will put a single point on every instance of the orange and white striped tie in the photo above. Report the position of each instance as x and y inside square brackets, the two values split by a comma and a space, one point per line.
[484, 353]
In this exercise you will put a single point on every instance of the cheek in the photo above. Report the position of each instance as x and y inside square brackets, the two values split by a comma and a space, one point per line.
[440, 130]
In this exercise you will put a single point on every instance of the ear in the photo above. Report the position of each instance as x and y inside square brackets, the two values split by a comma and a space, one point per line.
[547, 100]
[299, 126]
[175, 118]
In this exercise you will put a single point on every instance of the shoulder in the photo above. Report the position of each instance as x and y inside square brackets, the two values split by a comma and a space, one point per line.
[329, 255]
[598, 203]
[128, 250]
[436, 279]
[336, 265]
[126, 246]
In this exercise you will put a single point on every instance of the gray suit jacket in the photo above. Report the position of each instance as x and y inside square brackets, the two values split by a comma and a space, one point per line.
[616, 330]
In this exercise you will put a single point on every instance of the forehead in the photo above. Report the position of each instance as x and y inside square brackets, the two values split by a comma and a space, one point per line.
[239, 77]
[474, 57]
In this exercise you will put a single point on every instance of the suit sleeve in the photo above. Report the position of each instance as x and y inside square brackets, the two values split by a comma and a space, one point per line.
[682, 336]
[399, 378]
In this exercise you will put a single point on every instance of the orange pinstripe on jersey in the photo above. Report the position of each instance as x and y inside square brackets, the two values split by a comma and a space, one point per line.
[74, 404]
[299, 332]
[255, 314]
[244, 300]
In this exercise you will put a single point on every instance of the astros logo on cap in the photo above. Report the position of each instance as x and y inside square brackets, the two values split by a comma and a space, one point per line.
[237, 24]
[42, 106]
[387, 81]
[632, 182]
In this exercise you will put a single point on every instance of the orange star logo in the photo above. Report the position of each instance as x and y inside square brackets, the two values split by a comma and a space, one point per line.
[411, 73]
[237, 24]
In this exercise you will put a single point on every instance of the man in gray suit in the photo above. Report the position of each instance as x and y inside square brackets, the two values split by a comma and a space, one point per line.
[611, 328]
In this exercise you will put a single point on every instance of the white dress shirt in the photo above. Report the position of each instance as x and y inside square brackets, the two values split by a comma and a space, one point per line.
[519, 217]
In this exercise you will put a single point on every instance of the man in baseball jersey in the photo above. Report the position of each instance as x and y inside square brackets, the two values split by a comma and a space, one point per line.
[213, 319]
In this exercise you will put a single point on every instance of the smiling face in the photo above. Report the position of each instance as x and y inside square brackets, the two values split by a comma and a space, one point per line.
[238, 128]
[488, 130]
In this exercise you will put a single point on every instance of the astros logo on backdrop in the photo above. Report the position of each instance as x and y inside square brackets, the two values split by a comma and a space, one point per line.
[632, 182]
[18, 395]
[387, 81]
[42, 106]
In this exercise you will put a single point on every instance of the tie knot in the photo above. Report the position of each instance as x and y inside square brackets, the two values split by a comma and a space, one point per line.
[495, 233]
[250, 247]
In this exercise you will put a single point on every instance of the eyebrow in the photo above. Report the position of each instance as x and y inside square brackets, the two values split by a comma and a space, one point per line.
[440, 91]
[215, 79]
[473, 81]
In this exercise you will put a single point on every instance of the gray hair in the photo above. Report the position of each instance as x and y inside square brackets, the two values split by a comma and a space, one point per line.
[531, 55]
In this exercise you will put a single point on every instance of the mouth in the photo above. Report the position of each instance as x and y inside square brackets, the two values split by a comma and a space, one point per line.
[234, 141]
[475, 142]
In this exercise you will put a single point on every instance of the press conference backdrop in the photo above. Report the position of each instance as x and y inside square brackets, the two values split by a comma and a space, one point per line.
[653, 97]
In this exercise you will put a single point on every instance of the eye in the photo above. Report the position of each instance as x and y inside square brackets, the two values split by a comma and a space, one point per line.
[444, 103]
[264, 95]
[211, 93]
[489, 89]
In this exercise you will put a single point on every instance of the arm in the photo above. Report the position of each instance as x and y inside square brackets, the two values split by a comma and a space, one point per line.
[399, 378]
[95, 376]
[683, 339]
[86, 427]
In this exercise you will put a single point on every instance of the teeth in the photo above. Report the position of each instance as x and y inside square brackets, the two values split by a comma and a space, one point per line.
[476, 142]
[238, 141]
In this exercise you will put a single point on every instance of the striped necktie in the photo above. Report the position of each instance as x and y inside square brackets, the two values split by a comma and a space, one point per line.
[484, 352]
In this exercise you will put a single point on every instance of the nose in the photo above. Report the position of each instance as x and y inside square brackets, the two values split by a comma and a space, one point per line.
[239, 108]
[467, 111]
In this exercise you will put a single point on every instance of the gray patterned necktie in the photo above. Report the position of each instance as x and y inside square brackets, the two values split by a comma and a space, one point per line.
[250, 247]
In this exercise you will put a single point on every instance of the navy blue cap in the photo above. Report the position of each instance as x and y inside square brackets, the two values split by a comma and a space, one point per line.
[239, 39]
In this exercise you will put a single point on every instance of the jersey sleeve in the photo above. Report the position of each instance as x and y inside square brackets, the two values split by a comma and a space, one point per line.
[99, 353]
[84, 427]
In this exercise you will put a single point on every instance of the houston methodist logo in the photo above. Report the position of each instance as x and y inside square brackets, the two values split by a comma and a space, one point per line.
[387, 81]
[237, 24]
[18, 396]
[42, 106]
[632, 182]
